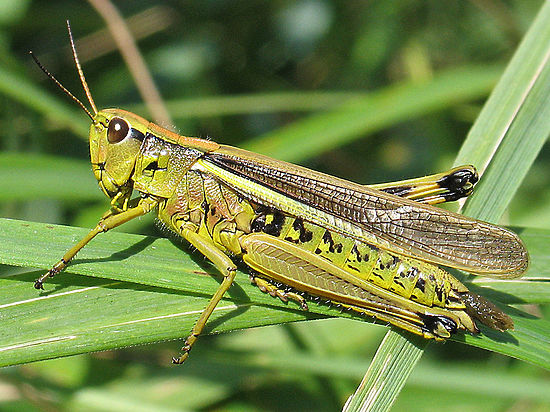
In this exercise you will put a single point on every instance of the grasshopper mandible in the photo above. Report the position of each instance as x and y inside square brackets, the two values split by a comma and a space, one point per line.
[375, 250]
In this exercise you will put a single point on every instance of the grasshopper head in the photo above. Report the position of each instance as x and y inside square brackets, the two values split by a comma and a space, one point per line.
[115, 139]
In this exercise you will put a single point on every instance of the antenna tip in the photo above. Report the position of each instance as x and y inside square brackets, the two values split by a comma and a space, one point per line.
[35, 59]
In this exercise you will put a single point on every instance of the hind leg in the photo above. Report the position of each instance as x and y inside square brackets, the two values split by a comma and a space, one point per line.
[267, 287]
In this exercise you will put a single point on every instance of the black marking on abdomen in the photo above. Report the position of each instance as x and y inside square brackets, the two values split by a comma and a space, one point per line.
[439, 292]
[355, 251]
[397, 282]
[305, 235]
[258, 224]
[332, 246]
[421, 284]
[152, 166]
[274, 228]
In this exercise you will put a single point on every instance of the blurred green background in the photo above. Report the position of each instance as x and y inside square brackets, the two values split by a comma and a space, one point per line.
[272, 77]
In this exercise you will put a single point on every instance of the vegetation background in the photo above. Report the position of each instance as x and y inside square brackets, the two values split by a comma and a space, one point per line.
[272, 77]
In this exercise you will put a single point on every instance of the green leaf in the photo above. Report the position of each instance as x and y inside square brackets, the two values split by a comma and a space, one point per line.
[254, 103]
[154, 291]
[140, 289]
[322, 132]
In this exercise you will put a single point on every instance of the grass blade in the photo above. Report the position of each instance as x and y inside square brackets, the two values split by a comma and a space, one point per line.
[321, 132]
[139, 289]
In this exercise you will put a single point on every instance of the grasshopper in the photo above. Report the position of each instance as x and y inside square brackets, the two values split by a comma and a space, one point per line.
[374, 250]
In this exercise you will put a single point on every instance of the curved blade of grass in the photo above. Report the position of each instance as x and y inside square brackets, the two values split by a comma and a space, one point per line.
[321, 132]
[254, 103]
[509, 117]
[517, 113]
[143, 289]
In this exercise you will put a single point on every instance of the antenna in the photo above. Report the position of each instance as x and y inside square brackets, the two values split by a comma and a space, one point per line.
[80, 74]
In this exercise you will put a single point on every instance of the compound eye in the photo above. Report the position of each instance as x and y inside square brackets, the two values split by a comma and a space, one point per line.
[118, 130]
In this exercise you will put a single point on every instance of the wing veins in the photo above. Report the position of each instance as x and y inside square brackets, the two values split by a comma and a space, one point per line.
[414, 229]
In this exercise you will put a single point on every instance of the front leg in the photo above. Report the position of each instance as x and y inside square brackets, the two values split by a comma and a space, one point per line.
[228, 269]
[109, 221]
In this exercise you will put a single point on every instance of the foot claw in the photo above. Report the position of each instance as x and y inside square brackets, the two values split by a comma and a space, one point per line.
[181, 359]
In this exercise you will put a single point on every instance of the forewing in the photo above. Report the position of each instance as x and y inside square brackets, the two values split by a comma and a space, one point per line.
[404, 226]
